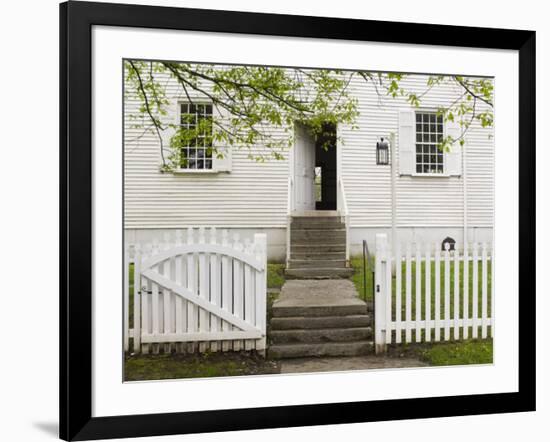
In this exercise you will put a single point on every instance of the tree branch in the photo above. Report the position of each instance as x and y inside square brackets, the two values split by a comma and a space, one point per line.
[156, 124]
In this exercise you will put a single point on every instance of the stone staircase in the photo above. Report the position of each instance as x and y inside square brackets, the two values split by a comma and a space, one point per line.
[318, 246]
[319, 318]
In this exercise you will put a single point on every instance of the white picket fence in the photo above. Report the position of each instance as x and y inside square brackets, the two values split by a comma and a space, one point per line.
[203, 294]
[457, 304]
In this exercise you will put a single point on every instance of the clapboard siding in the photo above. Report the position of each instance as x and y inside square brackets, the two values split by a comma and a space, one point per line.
[421, 201]
[254, 194]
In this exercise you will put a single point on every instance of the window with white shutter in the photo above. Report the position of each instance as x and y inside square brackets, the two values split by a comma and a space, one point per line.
[420, 134]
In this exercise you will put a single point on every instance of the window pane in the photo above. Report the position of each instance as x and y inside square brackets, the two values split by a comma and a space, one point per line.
[196, 123]
[429, 131]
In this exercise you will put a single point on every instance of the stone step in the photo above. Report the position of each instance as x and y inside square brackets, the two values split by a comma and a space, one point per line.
[318, 256]
[317, 234]
[316, 263]
[342, 309]
[319, 273]
[316, 214]
[357, 348]
[320, 240]
[317, 322]
[320, 335]
[317, 248]
[323, 225]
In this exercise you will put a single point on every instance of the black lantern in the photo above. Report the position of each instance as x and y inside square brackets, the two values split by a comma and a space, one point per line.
[382, 152]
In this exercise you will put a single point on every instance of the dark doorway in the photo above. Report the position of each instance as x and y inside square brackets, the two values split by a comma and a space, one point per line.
[325, 169]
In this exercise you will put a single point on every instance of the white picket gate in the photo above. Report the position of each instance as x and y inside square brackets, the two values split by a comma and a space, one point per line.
[199, 295]
[449, 297]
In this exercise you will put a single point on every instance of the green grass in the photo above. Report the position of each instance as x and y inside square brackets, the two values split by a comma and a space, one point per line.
[275, 275]
[205, 365]
[450, 353]
[357, 278]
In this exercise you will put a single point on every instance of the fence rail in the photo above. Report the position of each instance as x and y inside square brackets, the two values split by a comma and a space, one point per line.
[432, 293]
[205, 294]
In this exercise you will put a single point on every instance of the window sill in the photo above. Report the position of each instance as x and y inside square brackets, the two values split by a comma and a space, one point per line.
[198, 171]
[431, 175]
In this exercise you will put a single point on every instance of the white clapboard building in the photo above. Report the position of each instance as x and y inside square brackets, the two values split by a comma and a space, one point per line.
[434, 194]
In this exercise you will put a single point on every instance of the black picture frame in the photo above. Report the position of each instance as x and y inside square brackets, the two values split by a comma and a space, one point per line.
[76, 21]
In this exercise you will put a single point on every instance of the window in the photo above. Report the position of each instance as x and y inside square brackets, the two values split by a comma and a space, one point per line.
[196, 145]
[429, 133]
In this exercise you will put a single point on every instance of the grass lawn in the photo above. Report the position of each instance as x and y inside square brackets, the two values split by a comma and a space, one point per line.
[357, 278]
[275, 275]
[467, 352]
[177, 366]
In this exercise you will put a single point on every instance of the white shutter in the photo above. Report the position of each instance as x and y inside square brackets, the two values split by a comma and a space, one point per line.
[453, 158]
[407, 148]
[171, 118]
[222, 164]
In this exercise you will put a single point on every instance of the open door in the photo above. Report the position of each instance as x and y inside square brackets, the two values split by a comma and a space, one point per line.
[304, 169]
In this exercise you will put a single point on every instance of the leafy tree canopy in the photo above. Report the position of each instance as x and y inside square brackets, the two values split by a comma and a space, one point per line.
[252, 101]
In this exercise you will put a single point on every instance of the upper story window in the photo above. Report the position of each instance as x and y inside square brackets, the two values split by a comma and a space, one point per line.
[196, 148]
[429, 132]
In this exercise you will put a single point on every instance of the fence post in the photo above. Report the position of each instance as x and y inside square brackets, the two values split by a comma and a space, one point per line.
[382, 265]
[260, 242]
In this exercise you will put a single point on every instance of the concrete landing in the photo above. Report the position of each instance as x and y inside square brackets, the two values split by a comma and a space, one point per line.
[318, 293]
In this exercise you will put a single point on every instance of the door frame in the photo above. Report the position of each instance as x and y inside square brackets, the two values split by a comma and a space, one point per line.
[292, 176]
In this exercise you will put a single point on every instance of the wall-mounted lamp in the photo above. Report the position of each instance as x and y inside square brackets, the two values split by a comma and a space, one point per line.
[382, 152]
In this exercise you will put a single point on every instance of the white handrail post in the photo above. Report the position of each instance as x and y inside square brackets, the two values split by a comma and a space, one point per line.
[290, 205]
[342, 206]
[382, 265]
[347, 240]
